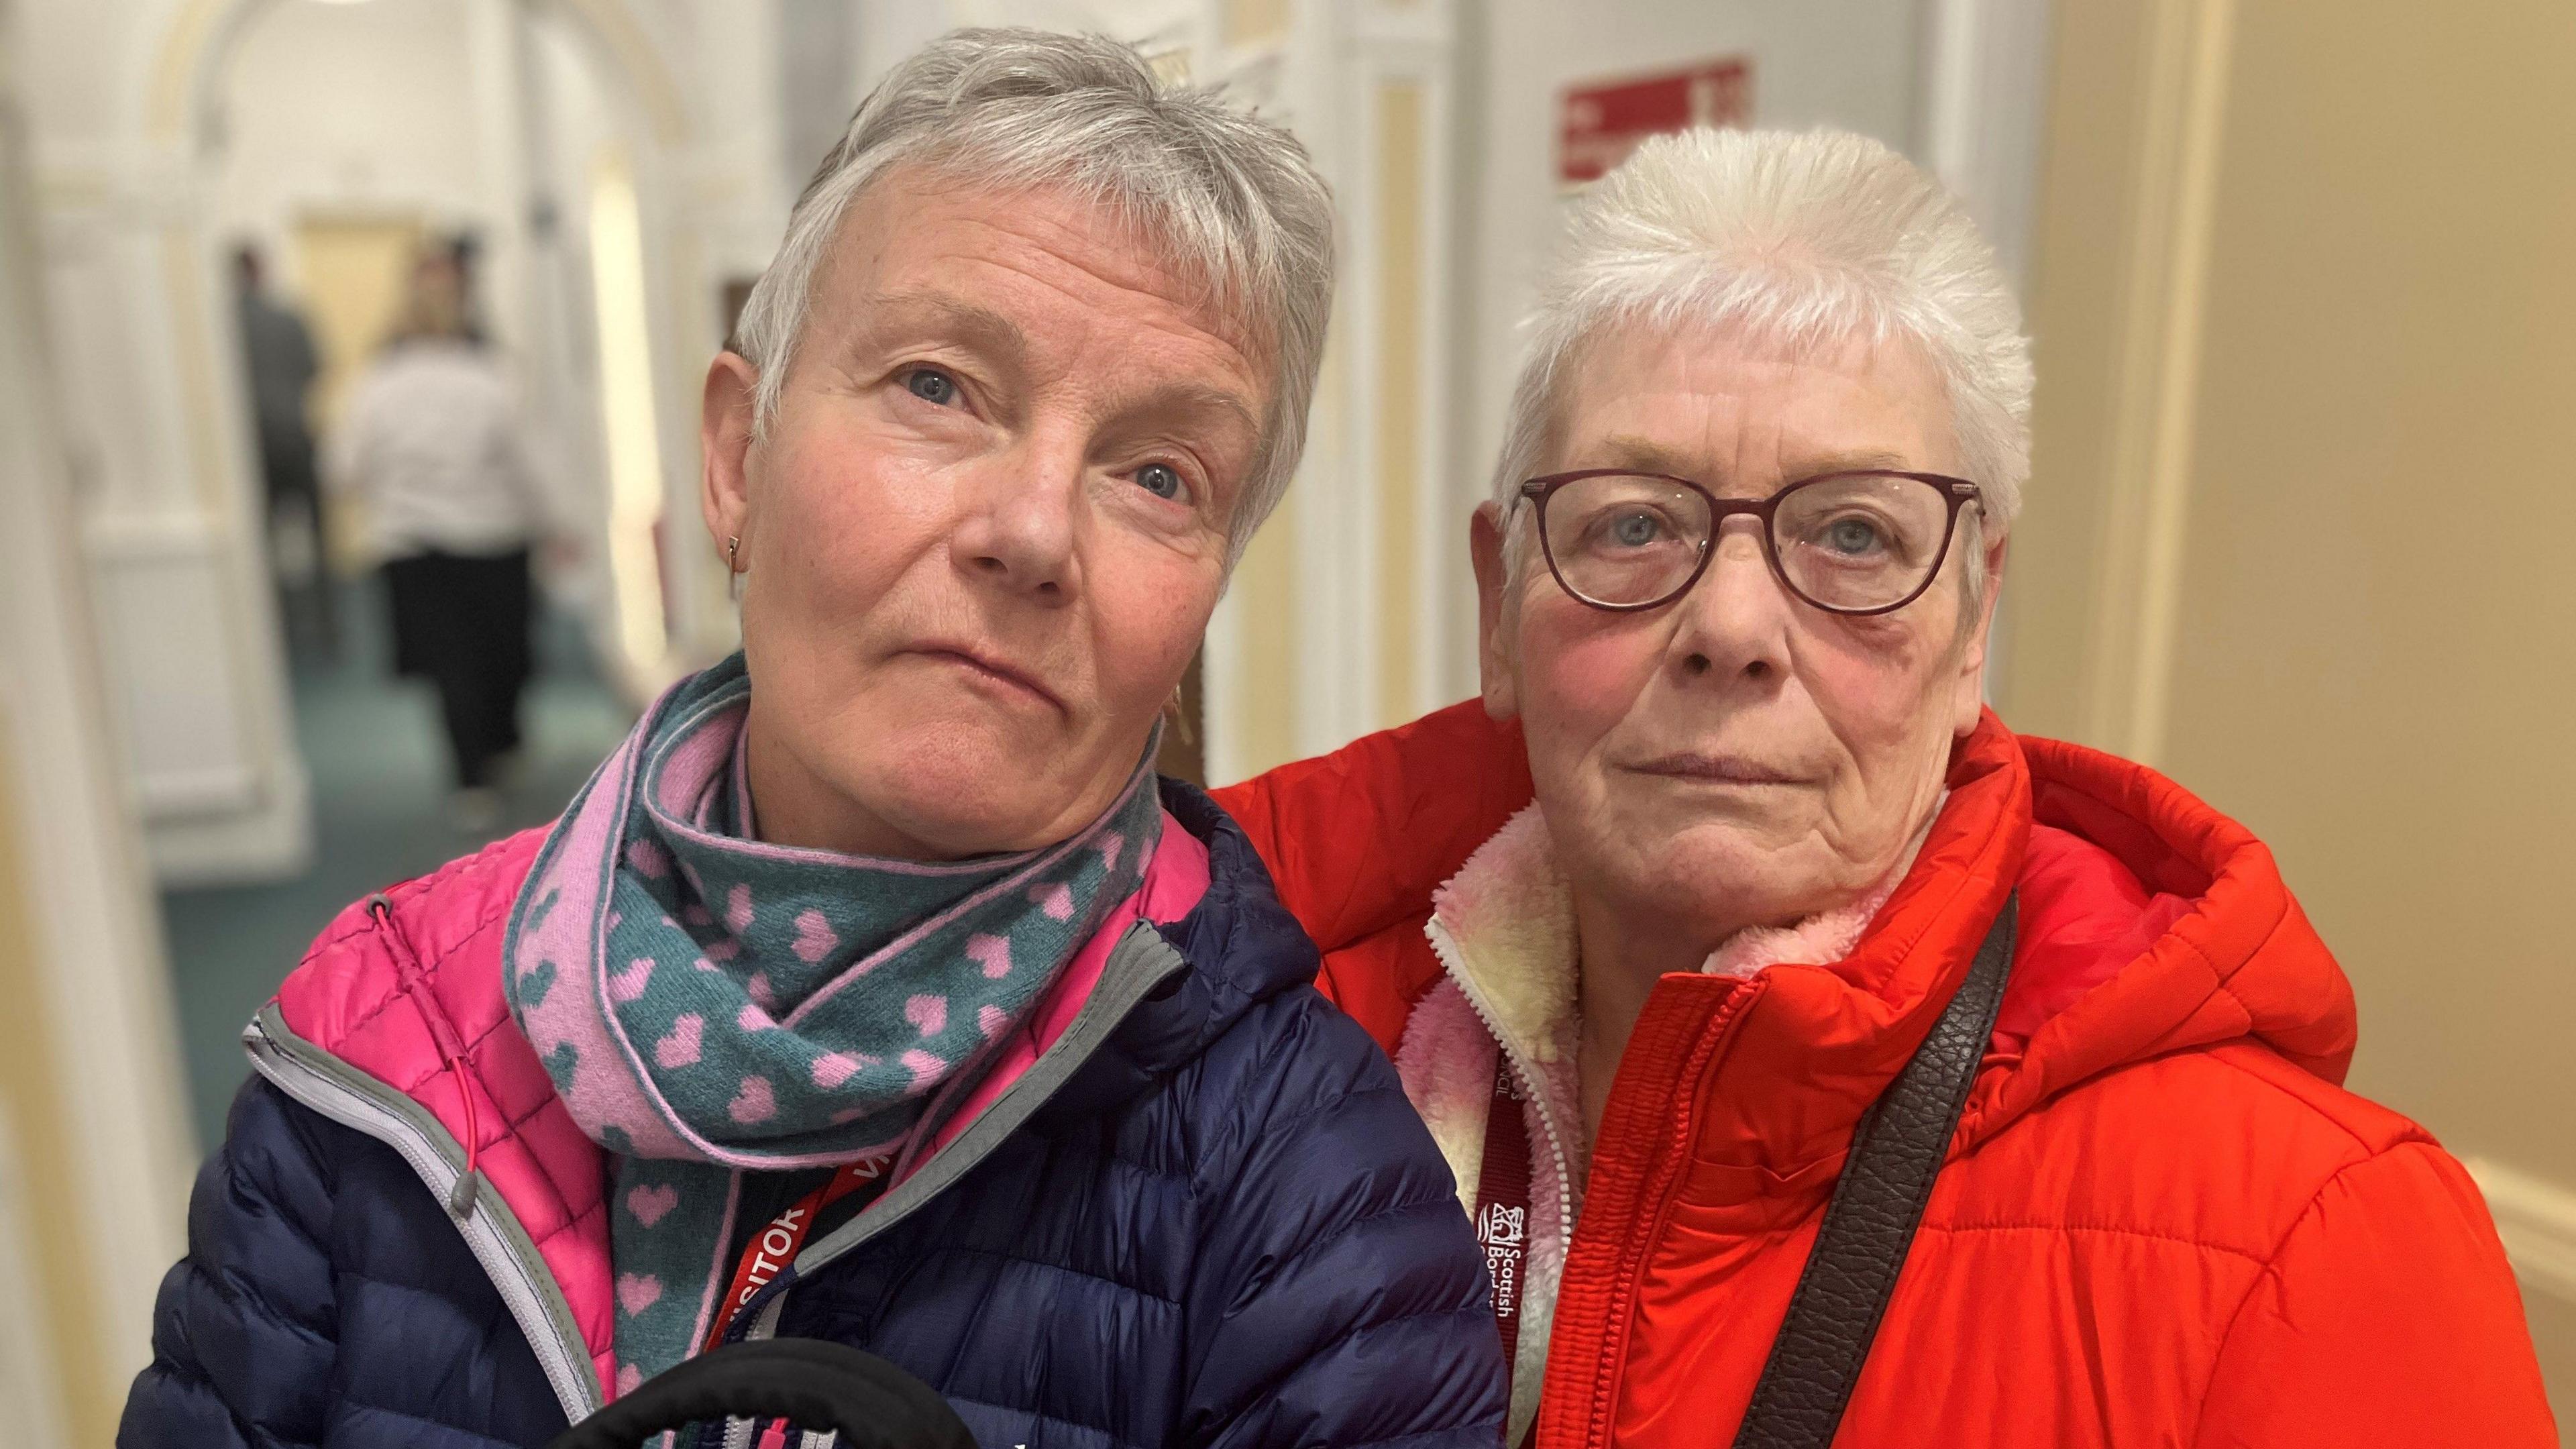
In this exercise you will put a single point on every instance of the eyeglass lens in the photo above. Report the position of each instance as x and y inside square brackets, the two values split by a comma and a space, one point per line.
[1853, 542]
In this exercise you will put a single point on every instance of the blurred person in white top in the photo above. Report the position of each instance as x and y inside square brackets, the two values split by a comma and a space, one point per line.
[431, 442]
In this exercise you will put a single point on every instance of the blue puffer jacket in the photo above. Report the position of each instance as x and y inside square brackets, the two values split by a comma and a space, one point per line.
[1205, 1216]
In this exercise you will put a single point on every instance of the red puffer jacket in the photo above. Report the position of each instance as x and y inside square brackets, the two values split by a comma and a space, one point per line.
[2162, 1222]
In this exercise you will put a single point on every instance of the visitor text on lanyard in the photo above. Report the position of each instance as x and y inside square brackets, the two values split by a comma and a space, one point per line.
[777, 1245]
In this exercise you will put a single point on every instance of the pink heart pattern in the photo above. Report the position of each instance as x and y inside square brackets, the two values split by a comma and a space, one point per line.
[1053, 897]
[649, 1205]
[754, 1102]
[637, 1292]
[928, 1014]
[831, 1069]
[699, 945]
[993, 953]
[679, 1048]
[815, 938]
[648, 859]
[927, 1071]
[628, 985]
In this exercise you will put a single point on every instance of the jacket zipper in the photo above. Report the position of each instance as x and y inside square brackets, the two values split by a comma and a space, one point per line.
[1533, 1090]
[1445, 947]
[1654, 1196]
[1139, 965]
[498, 1240]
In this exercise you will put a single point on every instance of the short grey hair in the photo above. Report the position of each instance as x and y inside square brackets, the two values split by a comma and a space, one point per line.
[1233, 200]
[1808, 240]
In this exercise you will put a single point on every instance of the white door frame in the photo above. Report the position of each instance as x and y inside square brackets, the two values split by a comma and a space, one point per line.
[104, 995]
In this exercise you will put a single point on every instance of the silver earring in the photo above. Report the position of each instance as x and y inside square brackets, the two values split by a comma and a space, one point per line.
[733, 568]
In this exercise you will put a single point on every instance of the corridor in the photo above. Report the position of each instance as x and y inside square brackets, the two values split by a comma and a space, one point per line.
[2301, 334]
[380, 815]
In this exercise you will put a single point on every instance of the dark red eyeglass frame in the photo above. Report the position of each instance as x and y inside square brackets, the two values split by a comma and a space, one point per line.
[1958, 492]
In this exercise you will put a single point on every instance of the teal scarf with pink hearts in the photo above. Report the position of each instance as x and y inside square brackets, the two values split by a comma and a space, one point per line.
[708, 1005]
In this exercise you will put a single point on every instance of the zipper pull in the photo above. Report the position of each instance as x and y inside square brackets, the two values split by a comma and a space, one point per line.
[460, 1198]
[451, 1054]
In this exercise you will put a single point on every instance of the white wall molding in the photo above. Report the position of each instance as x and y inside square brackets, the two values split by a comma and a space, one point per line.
[2146, 466]
[1985, 112]
[229, 849]
[162, 480]
[1370, 626]
[1336, 659]
[1984, 118]
[114, 180]
[2537, 1220]
[104, 992]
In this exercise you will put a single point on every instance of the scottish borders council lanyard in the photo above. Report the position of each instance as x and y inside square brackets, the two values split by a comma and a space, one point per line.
[1502, 1211]
[777, 1245]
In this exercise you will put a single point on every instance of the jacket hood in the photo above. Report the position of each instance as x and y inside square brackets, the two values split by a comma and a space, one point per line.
[2153, 923]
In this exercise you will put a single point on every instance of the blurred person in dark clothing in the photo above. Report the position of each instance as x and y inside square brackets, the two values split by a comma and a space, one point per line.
[431, 442]
[278, 355]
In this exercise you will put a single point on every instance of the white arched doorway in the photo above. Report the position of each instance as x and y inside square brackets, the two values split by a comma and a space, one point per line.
[578, 126]
[145, 732]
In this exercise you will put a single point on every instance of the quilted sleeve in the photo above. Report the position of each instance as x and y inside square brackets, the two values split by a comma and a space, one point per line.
[1339, 1298]
[2388, 1317]
[1358, 839]
[244, 1336]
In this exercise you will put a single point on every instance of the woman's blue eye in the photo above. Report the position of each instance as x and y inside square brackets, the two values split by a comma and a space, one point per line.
[1635, 530]
[931, 385]
[1851, 535]
[1161, 480]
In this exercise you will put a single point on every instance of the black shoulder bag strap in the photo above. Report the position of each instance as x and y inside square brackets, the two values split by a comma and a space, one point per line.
[1869, 1225]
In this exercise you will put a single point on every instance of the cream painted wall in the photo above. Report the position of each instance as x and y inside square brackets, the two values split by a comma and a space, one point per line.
[2381, 655]
[90, 1114]
[82, 1382]
[2307, 326]
[350, 108]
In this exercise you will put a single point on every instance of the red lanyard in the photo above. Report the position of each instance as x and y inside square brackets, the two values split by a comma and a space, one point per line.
[1502, 1208]
[778, 1244]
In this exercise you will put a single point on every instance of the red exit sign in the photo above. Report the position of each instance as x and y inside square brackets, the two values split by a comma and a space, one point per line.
[1600, 123]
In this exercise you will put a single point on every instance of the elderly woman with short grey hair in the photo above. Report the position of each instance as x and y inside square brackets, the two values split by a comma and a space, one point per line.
[876, 991]
[1814, 1054]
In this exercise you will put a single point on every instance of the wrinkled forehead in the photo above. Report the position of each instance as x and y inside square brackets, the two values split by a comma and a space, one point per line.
[897, 228]
[1741, 406]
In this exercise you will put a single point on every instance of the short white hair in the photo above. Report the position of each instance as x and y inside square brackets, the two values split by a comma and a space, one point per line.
[1807, 240]
[1232, 200]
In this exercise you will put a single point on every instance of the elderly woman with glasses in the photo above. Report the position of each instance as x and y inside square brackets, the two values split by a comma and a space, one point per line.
[1811, 1050]
[876, 990]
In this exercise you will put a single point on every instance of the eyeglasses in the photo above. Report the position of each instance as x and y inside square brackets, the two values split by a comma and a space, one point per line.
[1848, 543]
